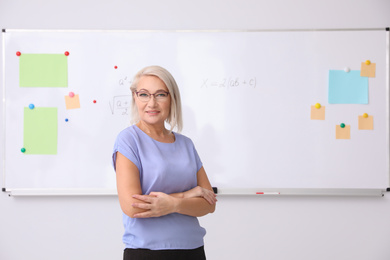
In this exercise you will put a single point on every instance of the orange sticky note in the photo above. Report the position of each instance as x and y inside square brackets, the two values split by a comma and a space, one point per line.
[366, 123]
[317, 113]
[343, 133]
[72, 102]
[368, 70]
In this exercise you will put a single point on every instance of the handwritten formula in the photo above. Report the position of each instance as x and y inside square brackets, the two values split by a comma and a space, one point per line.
[120, 105]
[126, 81]
[228, 83]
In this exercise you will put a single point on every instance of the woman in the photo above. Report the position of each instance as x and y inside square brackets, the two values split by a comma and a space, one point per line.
[162, 185]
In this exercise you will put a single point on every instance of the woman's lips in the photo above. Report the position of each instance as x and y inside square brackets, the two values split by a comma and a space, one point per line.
[152, 112]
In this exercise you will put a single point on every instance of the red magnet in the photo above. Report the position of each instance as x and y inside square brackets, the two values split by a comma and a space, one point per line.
[94, 101]
[116, 67]
[66, 53]
[18, 53]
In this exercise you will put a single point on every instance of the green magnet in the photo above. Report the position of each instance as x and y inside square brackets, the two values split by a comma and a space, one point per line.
[23, 150]
[342, 125]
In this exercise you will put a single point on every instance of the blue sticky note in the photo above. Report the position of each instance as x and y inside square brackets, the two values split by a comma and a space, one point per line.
[347, 87]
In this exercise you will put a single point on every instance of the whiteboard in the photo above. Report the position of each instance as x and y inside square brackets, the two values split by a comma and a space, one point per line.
[246, 100]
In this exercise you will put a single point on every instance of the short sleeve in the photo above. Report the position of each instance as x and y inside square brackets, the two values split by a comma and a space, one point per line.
[126, 144]
[199, 163]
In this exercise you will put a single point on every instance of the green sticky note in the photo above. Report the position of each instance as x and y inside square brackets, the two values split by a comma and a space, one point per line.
[43, 70]
[40, 130]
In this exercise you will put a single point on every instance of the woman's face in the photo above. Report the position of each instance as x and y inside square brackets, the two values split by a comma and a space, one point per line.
[155, 111]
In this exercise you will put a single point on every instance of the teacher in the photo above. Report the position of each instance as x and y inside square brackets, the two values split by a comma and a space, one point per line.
[162, 185]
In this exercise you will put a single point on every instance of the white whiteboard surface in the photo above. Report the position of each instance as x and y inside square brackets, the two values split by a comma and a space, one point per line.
[246, 103]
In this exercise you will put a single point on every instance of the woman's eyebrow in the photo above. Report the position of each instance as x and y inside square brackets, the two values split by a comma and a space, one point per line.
[158, 90]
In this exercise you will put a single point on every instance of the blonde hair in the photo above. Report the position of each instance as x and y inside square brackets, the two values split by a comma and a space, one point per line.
[175, 114]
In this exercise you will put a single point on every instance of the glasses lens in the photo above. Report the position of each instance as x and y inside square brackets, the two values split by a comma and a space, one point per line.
[161, 95]
[143, 96]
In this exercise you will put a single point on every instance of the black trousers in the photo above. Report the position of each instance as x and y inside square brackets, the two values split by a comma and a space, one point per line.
[176, 254]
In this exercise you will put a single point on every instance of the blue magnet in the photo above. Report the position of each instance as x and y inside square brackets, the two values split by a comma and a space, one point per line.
[66, 120]
[31, 106]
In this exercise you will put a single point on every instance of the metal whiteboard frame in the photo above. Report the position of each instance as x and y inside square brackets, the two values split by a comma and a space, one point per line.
[221, 192]
[3, 103]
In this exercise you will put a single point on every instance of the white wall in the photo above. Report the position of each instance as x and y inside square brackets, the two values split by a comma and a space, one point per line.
[242, 227]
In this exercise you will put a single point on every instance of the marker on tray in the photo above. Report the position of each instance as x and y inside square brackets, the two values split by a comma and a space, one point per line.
[268, 193]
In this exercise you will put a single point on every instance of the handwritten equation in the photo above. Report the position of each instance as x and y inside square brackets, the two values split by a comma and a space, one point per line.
[120, 105]
[126, 81]
[230, 83]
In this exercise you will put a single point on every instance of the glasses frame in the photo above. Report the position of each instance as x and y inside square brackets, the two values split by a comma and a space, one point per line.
[154, 95]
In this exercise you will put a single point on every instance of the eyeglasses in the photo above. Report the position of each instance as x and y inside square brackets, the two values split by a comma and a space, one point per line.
[145, 96]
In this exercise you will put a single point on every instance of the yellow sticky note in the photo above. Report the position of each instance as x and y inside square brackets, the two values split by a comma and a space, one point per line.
[72, 102]
[343, 133]
[317, 113]
[368, 70]
[366, 123]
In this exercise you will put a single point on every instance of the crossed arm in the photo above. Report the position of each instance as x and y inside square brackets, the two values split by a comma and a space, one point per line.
[196, 202]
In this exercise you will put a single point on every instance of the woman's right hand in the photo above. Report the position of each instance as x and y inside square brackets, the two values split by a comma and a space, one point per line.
[198, 191]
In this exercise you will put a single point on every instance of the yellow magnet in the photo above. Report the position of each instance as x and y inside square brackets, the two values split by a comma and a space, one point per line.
[317, 105]
[368, 62]
[365, 115]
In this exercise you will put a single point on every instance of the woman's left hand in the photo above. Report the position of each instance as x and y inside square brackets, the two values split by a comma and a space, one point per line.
[198, 191]
[157, 203]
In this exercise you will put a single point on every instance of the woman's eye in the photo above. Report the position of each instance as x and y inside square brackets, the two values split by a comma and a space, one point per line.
[143, 94]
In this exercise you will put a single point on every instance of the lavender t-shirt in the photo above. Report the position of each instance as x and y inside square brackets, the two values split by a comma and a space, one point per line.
[163, 167]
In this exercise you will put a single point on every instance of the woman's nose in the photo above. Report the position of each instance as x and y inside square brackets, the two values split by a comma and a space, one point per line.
[152, 101]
